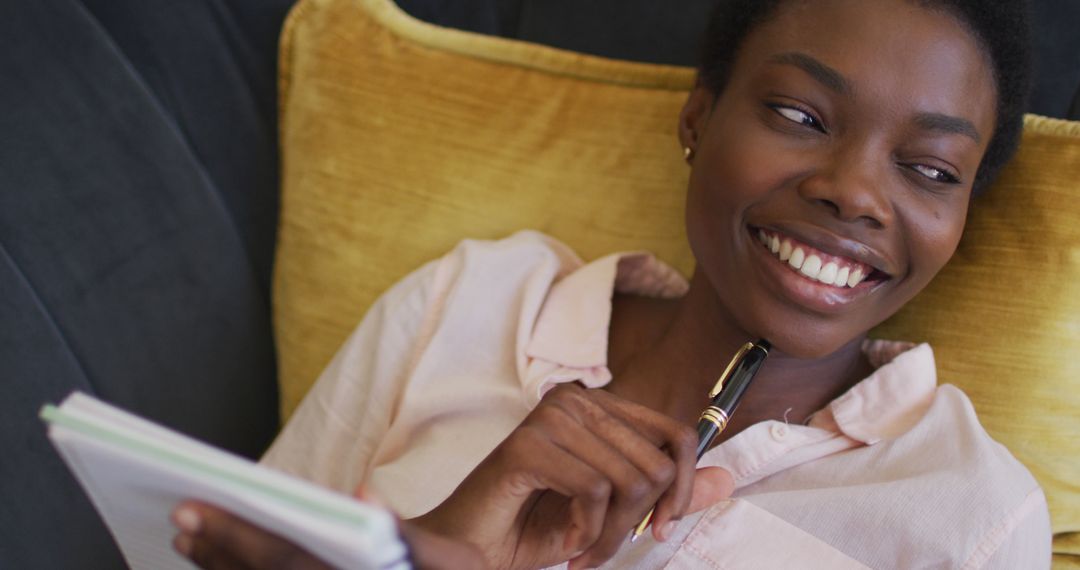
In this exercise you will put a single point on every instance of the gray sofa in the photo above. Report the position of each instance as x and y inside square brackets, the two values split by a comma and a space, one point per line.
[138, 204]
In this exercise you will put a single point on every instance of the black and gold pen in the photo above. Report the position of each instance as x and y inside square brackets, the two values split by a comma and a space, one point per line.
[724, 398]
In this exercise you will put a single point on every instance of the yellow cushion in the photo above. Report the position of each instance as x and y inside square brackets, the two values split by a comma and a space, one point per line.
[400, 138]
[1004, 315]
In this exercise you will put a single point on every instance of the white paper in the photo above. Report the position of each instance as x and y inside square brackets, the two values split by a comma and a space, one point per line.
[136, 472]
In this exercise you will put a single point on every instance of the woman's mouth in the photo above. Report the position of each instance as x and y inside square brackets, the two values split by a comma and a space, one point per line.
[815, 264]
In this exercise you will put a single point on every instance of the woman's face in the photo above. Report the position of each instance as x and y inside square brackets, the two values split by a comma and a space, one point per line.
[847, 139]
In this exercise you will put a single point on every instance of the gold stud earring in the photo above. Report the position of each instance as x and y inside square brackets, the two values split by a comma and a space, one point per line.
[687, 152]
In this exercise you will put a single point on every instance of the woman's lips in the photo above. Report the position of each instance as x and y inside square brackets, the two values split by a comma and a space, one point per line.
[810, 286]
[814, 264]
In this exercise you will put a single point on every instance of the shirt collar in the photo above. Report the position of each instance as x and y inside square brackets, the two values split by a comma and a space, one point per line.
[572, 327]
[890, 401]
[569, 342]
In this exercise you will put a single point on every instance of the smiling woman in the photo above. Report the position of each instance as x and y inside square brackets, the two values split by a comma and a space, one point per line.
[512, 397]
[863, 145]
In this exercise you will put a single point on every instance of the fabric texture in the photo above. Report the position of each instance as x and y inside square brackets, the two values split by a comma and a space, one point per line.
[653, 32]
[130, 264]
[389, 160]
[895, 473]
[1005, 312]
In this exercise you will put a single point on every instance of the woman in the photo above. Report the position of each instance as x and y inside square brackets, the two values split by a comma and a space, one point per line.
[511, 398]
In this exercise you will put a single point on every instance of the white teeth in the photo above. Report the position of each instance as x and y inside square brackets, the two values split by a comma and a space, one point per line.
[797, 258]
[828, 273]
[841, 277]
[811, 267]
[785, 250]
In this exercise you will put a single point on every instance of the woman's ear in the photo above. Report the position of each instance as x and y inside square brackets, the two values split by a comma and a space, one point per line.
[693, 118]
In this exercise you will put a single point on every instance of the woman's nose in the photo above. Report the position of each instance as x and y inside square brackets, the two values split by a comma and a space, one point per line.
[853, 186]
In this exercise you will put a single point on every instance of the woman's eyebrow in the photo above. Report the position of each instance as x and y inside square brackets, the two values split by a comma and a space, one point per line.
[824, 74]
[835, 81]
[947, 124]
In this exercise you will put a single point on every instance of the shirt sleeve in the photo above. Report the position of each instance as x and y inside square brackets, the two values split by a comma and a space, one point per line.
[1022, 540]
[331, 437]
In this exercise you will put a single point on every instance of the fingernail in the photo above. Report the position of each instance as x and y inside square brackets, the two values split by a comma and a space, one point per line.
[576, 564]
[187, 520]
[182, 544]
[365, 495]
[667, 529]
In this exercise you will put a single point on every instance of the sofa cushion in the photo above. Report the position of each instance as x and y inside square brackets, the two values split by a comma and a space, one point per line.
[650, 31]
[401, 138]
[123, 272]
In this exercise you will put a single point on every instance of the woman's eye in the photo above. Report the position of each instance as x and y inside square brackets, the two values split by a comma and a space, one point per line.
[935, 174]
[798, 116]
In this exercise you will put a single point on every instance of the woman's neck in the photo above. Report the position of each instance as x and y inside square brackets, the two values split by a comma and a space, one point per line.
[667, 355]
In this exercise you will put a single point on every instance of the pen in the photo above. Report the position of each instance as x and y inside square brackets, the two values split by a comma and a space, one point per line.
[724, 398]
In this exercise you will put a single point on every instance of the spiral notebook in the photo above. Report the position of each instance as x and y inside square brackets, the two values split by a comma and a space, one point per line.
[136, 472]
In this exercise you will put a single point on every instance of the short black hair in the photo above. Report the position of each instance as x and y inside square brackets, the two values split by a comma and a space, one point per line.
[1002, 27]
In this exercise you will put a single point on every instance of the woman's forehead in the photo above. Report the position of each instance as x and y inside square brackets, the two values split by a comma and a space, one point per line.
[890, 52]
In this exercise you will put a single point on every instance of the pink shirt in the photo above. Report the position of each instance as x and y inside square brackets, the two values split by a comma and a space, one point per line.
[896, 473]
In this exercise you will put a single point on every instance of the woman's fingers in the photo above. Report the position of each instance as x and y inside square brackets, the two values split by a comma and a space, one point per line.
[638, 471]
[215, 539]
[711, 485]
[671, 458]
[675, 502]
[433, 552]
[549, 466]
[648, 458]
[572, 481]
[208, 556]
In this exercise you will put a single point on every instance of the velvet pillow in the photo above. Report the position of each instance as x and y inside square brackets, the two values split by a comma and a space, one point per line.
[400, 138]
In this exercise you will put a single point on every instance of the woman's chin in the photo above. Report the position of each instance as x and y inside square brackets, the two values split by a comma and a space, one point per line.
[799, 344]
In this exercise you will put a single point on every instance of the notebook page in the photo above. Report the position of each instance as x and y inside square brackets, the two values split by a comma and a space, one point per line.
[135, 492]
[87, 414]
[142, 539]
[91, 409]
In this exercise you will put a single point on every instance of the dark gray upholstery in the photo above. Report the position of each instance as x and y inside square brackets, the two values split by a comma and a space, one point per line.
[1057, 58]
[138, 203]
[668, 32]
[137, 210]
[1074, 110]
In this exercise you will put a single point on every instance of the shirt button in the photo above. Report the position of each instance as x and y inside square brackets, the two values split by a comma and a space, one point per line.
[778, 431]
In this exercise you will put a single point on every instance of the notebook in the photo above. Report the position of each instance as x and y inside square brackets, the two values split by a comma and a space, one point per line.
[136, 472]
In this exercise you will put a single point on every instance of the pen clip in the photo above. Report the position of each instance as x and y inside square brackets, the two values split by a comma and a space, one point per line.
[730, 368]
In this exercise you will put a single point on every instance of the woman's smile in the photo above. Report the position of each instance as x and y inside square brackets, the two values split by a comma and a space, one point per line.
[816, 263]
[827, 189]
[812, 277]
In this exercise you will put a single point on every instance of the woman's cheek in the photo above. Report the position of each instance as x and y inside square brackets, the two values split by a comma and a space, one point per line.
[936, 230]
[753, 165]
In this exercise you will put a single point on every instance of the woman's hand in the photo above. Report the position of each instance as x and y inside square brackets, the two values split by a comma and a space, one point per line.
[217, 540]
[572, 481]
